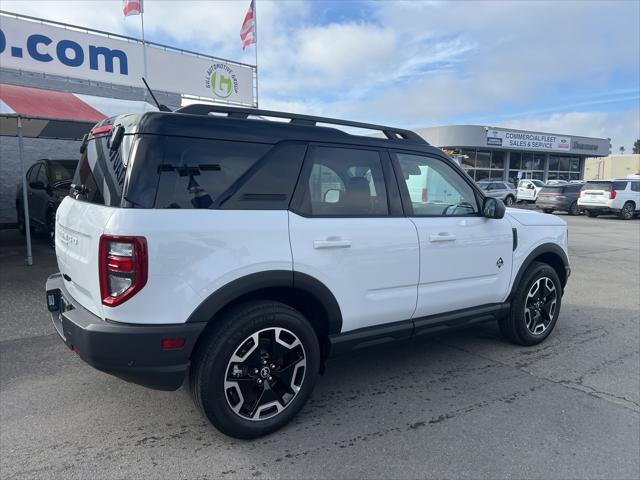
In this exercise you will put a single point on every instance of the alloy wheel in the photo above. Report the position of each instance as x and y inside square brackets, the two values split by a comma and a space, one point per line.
[540, 305]
[265, 373]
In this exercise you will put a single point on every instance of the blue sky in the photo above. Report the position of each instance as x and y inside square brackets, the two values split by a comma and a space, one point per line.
[561, 66]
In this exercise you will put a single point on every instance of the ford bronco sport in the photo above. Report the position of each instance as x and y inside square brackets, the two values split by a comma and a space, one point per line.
[236, 250]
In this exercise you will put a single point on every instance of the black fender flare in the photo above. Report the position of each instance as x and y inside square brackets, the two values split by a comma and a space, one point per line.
[545, 248]
[254, 282]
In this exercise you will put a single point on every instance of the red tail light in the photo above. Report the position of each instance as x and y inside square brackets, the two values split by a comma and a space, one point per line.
[424, 195]
[123, 268]
[612, 194]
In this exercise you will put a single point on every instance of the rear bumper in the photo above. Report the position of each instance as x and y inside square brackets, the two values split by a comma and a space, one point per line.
[553, 204]
[131, 352]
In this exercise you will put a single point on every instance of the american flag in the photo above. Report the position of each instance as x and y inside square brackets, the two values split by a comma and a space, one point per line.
[248, 29]
[131, 7]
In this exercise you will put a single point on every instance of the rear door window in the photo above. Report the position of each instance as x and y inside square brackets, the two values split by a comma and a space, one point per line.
[619, 185]
[195, 173]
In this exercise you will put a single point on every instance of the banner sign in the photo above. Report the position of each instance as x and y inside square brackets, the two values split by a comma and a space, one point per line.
[49, 49]
[527, 141]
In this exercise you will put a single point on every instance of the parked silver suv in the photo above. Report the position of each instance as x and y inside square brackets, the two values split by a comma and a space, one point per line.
[505, 191]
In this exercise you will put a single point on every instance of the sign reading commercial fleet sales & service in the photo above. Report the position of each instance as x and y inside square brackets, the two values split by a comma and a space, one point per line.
[527, 141]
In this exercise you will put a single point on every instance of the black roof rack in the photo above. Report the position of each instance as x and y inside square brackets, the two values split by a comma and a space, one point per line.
[297, 119]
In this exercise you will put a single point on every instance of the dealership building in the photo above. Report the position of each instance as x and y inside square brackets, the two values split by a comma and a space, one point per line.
[507, 154]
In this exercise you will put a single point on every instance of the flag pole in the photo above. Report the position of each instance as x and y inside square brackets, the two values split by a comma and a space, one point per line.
[255, 26]
[144, 48]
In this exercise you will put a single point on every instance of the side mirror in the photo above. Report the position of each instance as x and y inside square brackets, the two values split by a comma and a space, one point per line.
[331, 196]
[37, 185]
[493, 208]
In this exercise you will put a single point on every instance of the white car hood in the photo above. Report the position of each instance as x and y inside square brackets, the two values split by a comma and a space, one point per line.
[533, 218]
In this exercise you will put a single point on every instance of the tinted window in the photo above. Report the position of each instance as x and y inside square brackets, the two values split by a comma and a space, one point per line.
[62, 170]
[32, 174]
[102, 172]
[619, 185]
[195, 172]
[511, 186]
[635, 186]
[345, 182]
[606, 186]
[538, 183]
[436, 188]
[42, 175]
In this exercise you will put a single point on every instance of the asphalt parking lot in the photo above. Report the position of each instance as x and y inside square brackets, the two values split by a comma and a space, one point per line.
[460, 405]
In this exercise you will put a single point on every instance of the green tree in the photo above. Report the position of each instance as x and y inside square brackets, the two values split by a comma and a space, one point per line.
[621, 149]
[636, 146]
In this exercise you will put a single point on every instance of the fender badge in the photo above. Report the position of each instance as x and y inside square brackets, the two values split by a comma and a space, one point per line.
[500, 262]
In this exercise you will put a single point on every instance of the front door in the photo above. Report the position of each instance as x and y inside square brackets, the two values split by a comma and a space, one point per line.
[465, 258]
[347, 231]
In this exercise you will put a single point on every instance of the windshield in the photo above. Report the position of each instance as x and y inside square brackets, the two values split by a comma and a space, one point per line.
[537, 183]
[62, 170]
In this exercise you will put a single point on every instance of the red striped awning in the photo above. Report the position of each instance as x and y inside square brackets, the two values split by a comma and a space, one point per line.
[50, 104]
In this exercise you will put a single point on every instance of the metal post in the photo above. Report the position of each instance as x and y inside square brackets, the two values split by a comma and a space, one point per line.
[144, 50]
[25, 196]
[255, 36]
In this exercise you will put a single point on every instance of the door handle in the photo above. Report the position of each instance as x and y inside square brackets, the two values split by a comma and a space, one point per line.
[332, 243]
[441, 237]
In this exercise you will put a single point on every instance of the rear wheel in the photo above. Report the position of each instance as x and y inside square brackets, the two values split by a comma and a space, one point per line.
[535, 306]
[548, 210]
[574, 209]
[508, 201]
[255, 371]
[627, 212]
[591, 213]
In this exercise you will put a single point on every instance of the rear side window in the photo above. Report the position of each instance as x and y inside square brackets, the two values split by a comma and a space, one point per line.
[344, 182]
[635, 186]
[195, 172]
[619, 185]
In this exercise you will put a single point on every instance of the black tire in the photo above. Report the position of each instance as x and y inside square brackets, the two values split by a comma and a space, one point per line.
[574, 209]
[50, 229]
[628, 211]
[591, 213]
[212, 368]
[509, 201]
[514, 326]
[548, 210]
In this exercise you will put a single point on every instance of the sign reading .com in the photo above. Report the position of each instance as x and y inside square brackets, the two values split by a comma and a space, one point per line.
[68, 53]
[46, 48]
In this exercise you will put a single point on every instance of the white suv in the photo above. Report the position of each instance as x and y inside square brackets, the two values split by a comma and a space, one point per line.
[240, 253]
[620, 197]
[528, 190]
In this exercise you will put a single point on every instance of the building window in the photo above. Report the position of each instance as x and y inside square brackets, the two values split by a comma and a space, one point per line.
[482, 164]
[564, 168]
[527, 165]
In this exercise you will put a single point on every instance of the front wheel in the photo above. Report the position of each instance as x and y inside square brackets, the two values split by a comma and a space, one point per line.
[535, 306]
[255, 371]
[592, 214]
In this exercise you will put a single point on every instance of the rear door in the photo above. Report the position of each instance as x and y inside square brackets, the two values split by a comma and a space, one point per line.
[347, 231]
[81, 221]
[595, 193]
[465, 258]
[526, 190]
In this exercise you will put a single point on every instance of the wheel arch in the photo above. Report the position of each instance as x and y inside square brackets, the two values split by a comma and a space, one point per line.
[303, 292]
[549, 253]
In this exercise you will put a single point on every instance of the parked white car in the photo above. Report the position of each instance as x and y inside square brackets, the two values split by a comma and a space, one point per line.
[528, 190]
[619, 197]
[240, 253]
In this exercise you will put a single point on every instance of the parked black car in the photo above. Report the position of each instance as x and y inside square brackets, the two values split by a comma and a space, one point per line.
[48, 182]
[560, 197]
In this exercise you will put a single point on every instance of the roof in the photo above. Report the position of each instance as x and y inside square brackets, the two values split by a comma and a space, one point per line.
[249, 125]
[55, 114]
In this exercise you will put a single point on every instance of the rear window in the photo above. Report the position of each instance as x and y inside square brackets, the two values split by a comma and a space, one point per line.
[606, 186]
[102, 172]
[619, 185]
[196, 173]
[553, 189]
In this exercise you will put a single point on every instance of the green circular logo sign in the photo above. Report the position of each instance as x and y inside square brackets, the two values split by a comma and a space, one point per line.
[221, 80]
